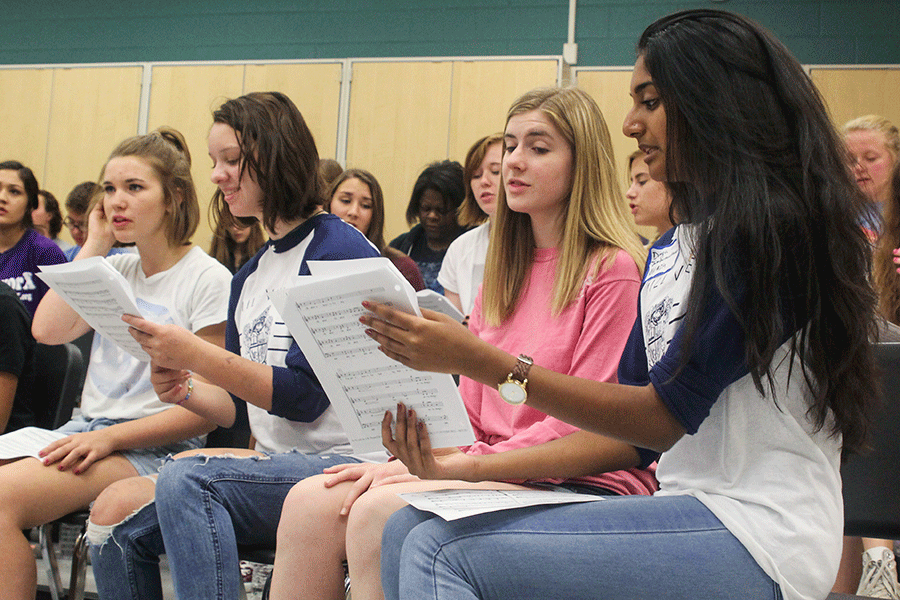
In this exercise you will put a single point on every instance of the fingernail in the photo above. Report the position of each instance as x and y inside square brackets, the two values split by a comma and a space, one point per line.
[366, 304]
[370, 332]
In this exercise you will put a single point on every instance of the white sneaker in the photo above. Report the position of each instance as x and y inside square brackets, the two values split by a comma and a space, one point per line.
[879, 578]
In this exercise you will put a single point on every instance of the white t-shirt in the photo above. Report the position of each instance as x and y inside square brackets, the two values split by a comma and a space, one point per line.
[463, 268]
[761, 468]
[192, 294]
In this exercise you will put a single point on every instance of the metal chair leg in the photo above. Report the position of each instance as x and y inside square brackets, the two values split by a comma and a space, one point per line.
[79, 567]
[49, 552]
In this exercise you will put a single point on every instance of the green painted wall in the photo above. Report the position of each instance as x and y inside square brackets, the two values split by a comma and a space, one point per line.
[88, 31]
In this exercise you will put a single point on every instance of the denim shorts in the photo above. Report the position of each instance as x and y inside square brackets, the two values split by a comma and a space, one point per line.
[146, 461]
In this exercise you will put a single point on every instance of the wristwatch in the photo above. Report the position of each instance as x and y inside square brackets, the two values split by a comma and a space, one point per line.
[513, 390]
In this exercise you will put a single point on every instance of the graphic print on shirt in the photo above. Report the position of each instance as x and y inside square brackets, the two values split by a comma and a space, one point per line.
[255, 336]
[114, 372]
[667, 281]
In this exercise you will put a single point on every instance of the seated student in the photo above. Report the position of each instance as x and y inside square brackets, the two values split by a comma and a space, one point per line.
[77, 219]
[750, 367]
[463, 267]
[873, 142]
[356, 197]
[16, 363]
[648, 199]
[436, 196]
[22, 249]
[264, 166]
[561, 283]
[47, 219]
[235, 241]
[123, 430]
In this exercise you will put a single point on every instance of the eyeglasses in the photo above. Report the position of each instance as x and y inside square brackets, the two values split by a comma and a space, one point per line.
[73, 224]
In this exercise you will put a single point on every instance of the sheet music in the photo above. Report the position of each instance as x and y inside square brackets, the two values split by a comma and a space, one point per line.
[100, 295]
[27, 441]
[322, 313]
[456, 504]
[431, 300]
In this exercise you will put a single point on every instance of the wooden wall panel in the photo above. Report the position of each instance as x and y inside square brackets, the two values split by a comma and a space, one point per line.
[851, 93]
[92, 110]
[399, 121]
[184, 98]
[483, 92]
[610, 90]
[25, 105]
[314, 88]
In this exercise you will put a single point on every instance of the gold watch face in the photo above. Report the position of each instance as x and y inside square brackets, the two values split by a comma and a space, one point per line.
[512, 392]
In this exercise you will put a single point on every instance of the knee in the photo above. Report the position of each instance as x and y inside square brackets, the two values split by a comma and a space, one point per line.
[121, 500]
[310, 510]
[371, 511]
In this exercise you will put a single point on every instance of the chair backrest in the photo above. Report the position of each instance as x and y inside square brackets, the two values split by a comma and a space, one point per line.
[871, 480]
[59, 377]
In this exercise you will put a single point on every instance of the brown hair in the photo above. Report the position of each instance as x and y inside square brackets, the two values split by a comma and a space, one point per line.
[887, 280]
[470, 214]
[166, 151]
[279, 149]
[375, 234]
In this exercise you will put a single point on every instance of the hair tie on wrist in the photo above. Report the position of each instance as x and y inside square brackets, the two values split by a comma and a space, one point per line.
[189, 392]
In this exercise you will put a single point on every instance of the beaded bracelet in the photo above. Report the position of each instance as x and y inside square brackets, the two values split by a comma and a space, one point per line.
[188, 395]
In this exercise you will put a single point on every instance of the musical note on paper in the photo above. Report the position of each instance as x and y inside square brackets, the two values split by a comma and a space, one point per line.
[100, 295]
[322, 313]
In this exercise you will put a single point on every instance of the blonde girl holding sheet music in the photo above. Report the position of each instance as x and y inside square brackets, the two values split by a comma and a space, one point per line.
[562, 281]
[207, 502]
[124, 430]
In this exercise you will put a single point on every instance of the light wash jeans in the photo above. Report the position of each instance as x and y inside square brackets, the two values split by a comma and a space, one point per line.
[629, 547]
[204, 508]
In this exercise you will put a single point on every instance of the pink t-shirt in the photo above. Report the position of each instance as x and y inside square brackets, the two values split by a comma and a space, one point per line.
[585, 340]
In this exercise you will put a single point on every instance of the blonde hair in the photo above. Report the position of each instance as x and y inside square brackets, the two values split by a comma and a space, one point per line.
[166, 151]
[595, 224]
[876, 123]
[469, 213]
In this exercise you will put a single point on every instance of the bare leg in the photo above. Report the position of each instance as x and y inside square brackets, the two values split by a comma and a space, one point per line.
[851, 567]
[32, 494]
[367, 519]
[311, 543]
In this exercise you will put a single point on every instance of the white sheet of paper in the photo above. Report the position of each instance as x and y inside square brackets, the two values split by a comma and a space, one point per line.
[456, 504]
[100, 295]
[322, 313]
[27, 441]
[431, 300]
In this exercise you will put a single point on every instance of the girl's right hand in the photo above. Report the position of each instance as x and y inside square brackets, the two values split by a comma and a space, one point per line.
[365, 476]
[169, 384]
[100, 232]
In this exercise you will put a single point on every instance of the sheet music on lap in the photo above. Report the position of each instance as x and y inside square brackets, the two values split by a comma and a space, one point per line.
[322, 313]
[27, 441]
[100, 295]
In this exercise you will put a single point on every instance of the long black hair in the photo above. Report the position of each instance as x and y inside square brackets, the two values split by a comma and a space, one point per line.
[755, 163]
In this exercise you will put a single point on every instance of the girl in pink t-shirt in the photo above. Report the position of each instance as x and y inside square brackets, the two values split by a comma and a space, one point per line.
[561, 285]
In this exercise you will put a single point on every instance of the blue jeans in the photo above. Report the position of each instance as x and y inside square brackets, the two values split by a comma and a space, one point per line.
[204, 508]
[664, 548]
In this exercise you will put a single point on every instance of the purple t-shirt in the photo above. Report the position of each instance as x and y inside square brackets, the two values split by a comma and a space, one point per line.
[19, 264]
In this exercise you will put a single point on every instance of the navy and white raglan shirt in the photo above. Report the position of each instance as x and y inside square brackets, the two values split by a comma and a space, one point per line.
[19, 264]
[301, 417]
[761, 468]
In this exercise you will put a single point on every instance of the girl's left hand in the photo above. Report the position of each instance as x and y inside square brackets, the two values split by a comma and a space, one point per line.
[411, 445]
[78, 451]
[897, 258]
[169, 346]
[433, 342]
